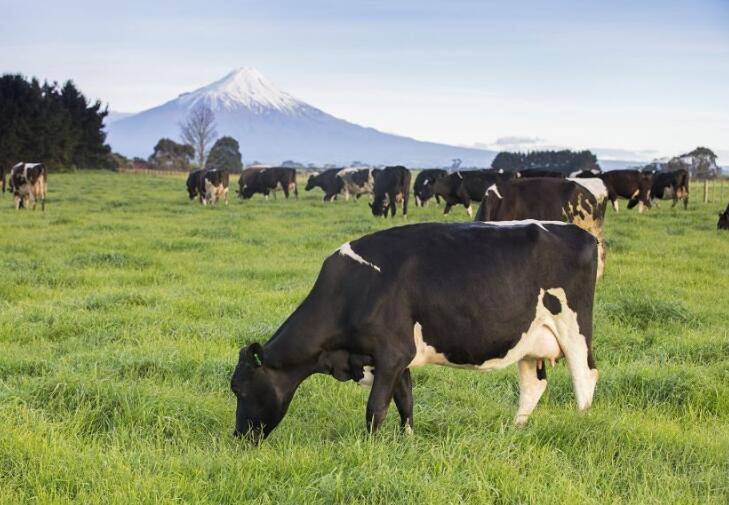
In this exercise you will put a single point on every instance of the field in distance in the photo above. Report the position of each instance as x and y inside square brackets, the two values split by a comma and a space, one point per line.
[123, 306]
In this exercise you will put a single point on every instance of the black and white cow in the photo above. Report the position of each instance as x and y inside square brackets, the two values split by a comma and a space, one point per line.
[194, 182]
[357, 181]
[213, 186]
[723, 223]
[328, 182]
[247, 177]
[673, 185]
[423, 185]
[29, 183]
[535, 172]
[631, 184]
[387, 302]
[268, 180]
[391, 186]
[465, 187]
[550, 199]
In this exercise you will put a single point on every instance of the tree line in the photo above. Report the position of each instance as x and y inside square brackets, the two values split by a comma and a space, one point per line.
[50, 122]
[565, 161]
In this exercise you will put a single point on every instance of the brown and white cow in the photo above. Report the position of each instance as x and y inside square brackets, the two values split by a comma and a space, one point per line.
[631, 184]
[29, 183]
[214, 186]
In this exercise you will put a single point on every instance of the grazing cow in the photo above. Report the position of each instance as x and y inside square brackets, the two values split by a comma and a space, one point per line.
[328, 182]
[213, 186]
[423, 185]
[357, 182]
[391, 186]
[467, 186]
[723, 223]
[549, 199]
[390, 301]
[29, 183]
[246, 178]
[631, 184]
[674, 185]
[194, 182]
[535, 172]
[268, 180]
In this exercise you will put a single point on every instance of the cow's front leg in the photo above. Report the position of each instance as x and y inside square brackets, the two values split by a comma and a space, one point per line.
[404, 400]
[381, 395]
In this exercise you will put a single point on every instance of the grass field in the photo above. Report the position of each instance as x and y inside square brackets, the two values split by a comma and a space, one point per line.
[123, 306]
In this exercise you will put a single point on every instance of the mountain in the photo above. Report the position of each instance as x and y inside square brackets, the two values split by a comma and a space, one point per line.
[272, 126]
[114, 116]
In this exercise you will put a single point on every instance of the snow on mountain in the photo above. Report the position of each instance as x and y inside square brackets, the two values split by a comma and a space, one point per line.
[272, 126]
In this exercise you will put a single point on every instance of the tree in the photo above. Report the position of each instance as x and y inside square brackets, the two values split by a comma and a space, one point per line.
[225, 155]
[52, 124]
[198, 130]
[169, 155]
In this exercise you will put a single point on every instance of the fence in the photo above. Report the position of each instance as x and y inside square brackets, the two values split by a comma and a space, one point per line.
[147, 171]
[714, 191]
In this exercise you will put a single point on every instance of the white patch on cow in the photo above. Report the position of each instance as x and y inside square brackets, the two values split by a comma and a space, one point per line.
[594, 185]
[525, 222]
[469, 211]
[549, 337]
[495, 189]
[368, 377]
[635, 193]
[346, 250]
[615, 206]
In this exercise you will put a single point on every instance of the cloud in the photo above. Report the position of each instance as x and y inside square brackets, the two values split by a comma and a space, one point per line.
[516, 140]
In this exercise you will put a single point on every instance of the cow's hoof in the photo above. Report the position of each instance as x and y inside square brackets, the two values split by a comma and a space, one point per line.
[521, 420]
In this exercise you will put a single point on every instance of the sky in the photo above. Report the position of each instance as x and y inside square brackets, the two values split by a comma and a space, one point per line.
[628, 79]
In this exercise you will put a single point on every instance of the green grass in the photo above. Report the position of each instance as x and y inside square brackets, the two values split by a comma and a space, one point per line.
[122, 308]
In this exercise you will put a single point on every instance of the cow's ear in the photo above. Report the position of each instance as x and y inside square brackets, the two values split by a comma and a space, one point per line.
[252, 355]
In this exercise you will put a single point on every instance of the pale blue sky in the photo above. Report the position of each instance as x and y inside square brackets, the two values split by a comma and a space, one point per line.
[649, 76]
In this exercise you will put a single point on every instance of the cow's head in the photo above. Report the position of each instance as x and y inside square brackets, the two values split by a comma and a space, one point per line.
[246, 192]
[379, 206]
[723, 223]
[259, 408]
[311, 182]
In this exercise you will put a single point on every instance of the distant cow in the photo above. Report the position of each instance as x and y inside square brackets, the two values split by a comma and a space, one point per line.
[246, 178]
[467, 186]
[194, 182]
[391, 186]
[328, 182]
[474, 296]
[213, 186]
[423, 185]
[29, 183]
[633, 185]
[357, 182]
[535, 172]
[673, 185]
[268, 180]
[549, 199]
[723, 223]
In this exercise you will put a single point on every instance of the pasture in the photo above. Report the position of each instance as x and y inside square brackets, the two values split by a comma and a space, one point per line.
[123, 306]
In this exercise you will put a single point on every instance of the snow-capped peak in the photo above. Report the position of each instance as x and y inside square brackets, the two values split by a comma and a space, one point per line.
[243, 87]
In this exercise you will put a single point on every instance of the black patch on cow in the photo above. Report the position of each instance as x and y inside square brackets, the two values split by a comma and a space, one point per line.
[552, 303]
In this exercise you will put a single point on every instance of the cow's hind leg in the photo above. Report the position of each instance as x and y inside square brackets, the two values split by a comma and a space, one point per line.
[531, 388]
[403, 396]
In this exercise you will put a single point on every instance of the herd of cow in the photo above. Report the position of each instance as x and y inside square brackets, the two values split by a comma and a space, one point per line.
[515, 286]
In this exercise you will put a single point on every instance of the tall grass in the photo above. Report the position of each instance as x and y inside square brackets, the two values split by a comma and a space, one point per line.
[123, 305]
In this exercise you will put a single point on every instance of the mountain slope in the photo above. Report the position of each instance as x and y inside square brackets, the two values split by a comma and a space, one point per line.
[272, 126]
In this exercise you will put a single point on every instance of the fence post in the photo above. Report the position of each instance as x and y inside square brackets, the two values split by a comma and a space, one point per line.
[706, 190]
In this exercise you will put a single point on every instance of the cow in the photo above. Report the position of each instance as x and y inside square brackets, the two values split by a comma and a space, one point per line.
[328, 182]
[246, 178]
[723, 223]
[467, 186]
[535, 172]
[423, 185]
[194, 182]
[29, 183]
[550, 199]
[389, 302]
[268, 180]
[357, 182]
[213, 186]
[631, 184]
[392, 185]
[674, 185]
